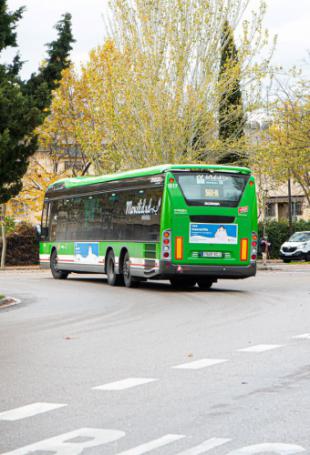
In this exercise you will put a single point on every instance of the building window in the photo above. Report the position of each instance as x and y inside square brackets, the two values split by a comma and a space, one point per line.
[270, 210]
[77, 165]
[296, 208]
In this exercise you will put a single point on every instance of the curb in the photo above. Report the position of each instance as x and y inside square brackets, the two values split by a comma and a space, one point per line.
[283, 267]
[22, 267]
[8, 302]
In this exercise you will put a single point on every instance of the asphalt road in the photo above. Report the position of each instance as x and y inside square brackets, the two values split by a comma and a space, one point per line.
[86, 368]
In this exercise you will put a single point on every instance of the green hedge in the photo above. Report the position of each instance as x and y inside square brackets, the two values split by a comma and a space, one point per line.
[22, 246]
[278, 233]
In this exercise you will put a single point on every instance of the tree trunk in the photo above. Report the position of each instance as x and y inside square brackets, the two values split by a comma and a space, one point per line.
[3, 235]
[86, 167]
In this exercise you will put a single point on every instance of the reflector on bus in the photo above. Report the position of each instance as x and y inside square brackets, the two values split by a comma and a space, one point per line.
[179, 248]
[244, 249]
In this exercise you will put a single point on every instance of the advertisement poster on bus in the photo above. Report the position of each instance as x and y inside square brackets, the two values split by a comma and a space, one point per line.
[86, 252]
[225, 234]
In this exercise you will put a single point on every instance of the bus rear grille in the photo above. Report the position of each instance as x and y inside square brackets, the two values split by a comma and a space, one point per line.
[212, 219]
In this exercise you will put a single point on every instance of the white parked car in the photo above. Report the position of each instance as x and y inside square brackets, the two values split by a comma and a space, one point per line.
[297, 247]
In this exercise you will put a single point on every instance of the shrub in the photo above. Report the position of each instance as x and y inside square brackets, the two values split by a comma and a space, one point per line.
[278, 233]
[22, 245]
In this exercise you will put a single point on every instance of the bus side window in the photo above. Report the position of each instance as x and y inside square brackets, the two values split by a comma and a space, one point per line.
[45, 221]
[53, 223]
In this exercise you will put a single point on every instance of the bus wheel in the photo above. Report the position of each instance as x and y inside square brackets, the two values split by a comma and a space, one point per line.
[204, 283]
[129, 280]
[113, 278]
[182, 282]
[57, 274]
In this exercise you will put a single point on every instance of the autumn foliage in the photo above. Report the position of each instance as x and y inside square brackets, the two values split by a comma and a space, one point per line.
[150, 93]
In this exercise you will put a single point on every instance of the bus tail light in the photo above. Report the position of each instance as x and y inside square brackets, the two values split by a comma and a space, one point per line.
[166, 244]
[178, 248]
[254, 244]
[244, 246]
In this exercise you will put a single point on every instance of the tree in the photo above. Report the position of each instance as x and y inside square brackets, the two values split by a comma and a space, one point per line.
[172, 81]
[283, 151]
[7, 226]
[82, 111]
[231, 116]
[150, 94]
[15, 112]
[60, 134]
[289, 140]
[41, 85]
[35, 183]
[23, 105]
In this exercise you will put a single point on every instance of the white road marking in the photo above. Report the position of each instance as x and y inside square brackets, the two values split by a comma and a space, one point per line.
[64, 444]
[155, 444]
[276, 448]
[205, 446]
[261, 348]
[124, 384]
[202, 363]
[29, 411]
[304, 336]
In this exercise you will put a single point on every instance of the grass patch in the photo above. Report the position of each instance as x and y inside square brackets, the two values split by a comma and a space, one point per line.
[2, 296]
[299, 262]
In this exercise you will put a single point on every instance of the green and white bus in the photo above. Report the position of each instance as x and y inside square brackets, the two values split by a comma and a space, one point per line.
[185, 223]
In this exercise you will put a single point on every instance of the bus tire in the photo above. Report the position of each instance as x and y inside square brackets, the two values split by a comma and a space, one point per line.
[57, 274]
[204, 283]
[112, 278]
[129, 280]
[182, 282]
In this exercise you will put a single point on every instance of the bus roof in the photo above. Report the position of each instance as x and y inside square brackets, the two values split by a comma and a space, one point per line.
[155, 170]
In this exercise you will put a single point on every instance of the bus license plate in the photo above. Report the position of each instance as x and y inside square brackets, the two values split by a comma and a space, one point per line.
[210, 254]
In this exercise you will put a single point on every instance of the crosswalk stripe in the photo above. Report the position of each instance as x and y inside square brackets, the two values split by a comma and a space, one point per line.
[304, 336]
[205, 446]
[124, 384]
[198, 364]
[29, 411]
[261, 348]
[155, 444]
[269, 447]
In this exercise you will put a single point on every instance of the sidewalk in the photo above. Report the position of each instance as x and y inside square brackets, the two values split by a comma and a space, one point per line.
[277, 264]
[21, 268]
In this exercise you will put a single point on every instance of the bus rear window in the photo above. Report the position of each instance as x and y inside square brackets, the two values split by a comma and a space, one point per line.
[212, 189]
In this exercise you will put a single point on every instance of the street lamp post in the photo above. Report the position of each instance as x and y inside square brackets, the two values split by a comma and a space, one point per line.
[289, 192]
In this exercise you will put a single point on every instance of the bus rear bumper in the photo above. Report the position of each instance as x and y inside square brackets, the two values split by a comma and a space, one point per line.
[168, 269]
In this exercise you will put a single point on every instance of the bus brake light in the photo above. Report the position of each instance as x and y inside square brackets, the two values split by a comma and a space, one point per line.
[166, 244]
[254, 247]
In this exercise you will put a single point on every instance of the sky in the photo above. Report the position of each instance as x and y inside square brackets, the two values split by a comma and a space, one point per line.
[289, 19]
